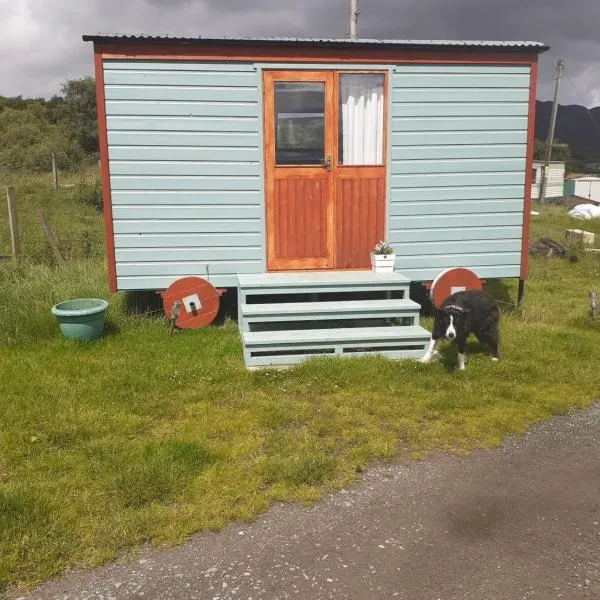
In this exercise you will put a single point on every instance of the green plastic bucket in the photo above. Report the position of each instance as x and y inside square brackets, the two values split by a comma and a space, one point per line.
[81, 319]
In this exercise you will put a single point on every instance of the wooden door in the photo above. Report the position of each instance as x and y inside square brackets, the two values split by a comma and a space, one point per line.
[360, 172]
[324, 168]
[298, 113]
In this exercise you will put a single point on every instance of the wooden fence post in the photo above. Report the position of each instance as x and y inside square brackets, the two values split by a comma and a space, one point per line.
[12, 221]
[54, 172]
[50, 238]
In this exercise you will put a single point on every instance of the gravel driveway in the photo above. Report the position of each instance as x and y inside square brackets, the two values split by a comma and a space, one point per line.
[521, 521]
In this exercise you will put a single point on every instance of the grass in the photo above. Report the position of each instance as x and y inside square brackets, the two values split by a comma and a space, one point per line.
[145, 437]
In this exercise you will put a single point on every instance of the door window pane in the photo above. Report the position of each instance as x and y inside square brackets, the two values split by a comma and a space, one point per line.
[299, 122]
[361, 119]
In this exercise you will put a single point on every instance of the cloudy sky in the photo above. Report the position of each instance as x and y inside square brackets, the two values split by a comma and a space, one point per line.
[41, 47]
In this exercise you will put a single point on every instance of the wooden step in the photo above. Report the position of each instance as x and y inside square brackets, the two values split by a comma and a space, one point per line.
[270, 348]
[308, 311]
[306, 282]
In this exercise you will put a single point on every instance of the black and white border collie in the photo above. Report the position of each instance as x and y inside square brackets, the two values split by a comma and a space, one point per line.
[460, 315]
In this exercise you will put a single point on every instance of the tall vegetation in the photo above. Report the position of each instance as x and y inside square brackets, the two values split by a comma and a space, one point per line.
[560, 152]
[31, 130]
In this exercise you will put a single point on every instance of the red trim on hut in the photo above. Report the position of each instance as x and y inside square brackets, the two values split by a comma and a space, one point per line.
[528, 169]
[105, 174]
[258, 53]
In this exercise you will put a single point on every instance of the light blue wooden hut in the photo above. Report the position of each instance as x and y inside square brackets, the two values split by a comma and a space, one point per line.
[274, 165]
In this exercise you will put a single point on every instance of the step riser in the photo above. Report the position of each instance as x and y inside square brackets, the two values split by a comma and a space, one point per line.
[248, 322]
[248, 292]
[283, 360]
[339, 346]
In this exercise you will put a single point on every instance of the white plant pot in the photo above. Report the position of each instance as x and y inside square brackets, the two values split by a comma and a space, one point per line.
[383, 263]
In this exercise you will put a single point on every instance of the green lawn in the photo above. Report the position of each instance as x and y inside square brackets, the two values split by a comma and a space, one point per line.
[142, 436]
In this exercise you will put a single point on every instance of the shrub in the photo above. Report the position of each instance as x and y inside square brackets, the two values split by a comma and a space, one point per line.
[28, 140]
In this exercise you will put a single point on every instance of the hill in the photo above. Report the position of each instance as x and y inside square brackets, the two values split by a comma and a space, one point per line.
[574, 126]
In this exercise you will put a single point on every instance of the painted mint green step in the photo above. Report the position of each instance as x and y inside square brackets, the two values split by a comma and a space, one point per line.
[321, 282]
[293, 346]
[307, 311]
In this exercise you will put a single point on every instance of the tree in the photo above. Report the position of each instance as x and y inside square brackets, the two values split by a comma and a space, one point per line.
[76, 114]
[560, 151]
[28, 140]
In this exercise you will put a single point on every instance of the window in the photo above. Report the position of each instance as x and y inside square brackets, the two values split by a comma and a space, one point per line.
[361, 119]
[299, 122]
[534, 175]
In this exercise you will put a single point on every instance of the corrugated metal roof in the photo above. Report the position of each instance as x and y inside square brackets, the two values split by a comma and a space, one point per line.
[289, 41]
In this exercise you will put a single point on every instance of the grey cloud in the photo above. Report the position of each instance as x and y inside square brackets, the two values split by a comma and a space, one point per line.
[40, 41]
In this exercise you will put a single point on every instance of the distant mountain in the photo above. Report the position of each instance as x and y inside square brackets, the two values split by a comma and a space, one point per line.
[574, 126]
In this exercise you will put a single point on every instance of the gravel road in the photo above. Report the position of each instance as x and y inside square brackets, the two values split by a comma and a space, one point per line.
[518, 522]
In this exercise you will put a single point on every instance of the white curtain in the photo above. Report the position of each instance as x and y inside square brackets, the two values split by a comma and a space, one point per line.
[361, 97]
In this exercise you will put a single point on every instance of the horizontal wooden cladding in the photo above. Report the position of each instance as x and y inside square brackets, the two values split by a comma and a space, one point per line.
[482, 271]
[181, 94]
[459, 179]
[161, 282]
[476, 69]
[450, 152]
[183, 154]
[183, 241]
[208, 253]
[474, 165]
[458, 109]
[300, 216]
[462, 259]
[215, 211]
[448, 207]
[456, 220]
[457, 247]
[141, 226]
[140, 182]
[438, 138]
[474, 192]
[185, 268]
[431, 95]
[185, 170]
[195, 139]
[168, 124]
[186, 197]
[185, 79]
[438, 124]
[156, 108]
[443, 80]
[178, 168]
[456, 233]
[139, 65]
[359, 215]
[459, 135]
[310, 53]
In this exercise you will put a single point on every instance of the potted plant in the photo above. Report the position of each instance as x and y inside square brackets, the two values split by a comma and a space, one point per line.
[383, 257]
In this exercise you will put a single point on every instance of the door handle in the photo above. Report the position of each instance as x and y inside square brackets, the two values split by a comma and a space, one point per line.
[327, 162]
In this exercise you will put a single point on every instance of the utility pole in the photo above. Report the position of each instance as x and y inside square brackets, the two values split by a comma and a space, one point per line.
[560, 65]
[353, 19]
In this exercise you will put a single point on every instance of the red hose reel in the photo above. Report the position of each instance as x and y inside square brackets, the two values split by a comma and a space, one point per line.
[191, 302]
